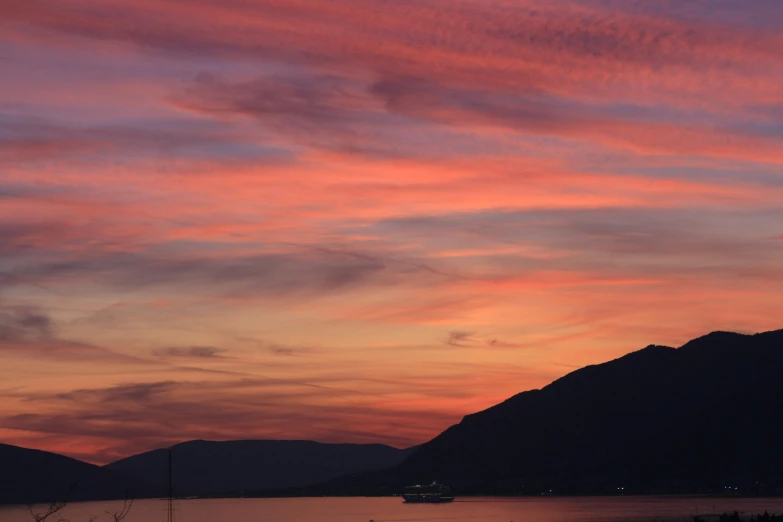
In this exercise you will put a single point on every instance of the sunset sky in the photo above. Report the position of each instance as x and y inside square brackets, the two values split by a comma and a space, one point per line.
[360, 220]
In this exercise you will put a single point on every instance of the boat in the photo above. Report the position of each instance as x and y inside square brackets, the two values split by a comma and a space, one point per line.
[432, 493]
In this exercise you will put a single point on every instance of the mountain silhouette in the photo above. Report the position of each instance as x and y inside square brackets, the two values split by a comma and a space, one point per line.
[30, 476]
[215, 468]
[704, 418]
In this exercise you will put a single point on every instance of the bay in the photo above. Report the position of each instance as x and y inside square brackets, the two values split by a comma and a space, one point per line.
[392, 509]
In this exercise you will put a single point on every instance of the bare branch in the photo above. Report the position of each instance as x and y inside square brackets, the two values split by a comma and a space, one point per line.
[118, 516]
[55, 507]
[51, 510]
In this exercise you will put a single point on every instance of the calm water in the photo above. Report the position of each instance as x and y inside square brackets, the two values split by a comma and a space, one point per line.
[393, 510]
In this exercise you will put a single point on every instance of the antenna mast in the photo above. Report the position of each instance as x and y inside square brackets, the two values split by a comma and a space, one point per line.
[171, 506]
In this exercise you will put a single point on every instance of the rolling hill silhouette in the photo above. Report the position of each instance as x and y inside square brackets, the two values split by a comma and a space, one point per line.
[215, 468]
[29, 476]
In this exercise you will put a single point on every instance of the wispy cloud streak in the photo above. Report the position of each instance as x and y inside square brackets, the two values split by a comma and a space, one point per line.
[361, 219]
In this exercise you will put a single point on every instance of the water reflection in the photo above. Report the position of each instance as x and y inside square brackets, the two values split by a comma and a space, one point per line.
[550, 509]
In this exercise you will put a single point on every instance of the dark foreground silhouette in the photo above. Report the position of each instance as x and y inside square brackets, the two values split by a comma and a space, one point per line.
[736, 517]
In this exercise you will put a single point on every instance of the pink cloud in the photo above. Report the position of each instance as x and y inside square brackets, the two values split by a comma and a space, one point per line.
[192, 190]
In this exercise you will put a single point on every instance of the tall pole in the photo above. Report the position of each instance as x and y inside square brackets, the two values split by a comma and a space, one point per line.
[171, 507]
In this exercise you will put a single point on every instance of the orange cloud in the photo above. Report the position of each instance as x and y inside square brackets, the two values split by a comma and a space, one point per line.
[360, 220]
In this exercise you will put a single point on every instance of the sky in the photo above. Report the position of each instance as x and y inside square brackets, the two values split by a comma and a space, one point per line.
[360, 220]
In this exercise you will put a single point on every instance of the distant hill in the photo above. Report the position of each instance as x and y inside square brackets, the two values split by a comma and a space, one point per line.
[701, 418]
[30, 476]
[214, 468]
